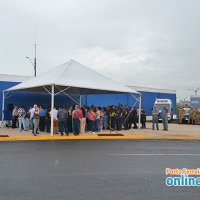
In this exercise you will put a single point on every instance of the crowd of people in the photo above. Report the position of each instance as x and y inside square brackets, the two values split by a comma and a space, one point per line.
[92, 119]
[78, 120]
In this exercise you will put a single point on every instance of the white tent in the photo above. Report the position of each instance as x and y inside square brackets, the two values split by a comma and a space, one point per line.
[73, 77]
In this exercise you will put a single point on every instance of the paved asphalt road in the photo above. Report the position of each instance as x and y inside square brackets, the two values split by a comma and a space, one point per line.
[84, 169]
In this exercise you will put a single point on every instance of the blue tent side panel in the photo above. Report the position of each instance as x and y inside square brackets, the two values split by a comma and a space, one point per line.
[104, 100]
[148, 99]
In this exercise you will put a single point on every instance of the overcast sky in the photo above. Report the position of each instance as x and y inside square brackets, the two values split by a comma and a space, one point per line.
[153, 43]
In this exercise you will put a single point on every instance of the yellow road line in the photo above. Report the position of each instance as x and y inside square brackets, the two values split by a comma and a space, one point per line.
[90, 137]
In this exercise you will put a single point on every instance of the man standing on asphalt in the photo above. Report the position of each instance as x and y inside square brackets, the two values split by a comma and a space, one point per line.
[155, 118]
[62, 120]
[77, 116]
[14, 117]
[191, 115]
[164, 118]
[196, 111]
[181, 114]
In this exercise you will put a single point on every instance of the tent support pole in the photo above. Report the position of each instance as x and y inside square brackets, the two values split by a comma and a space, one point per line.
[3, 102]
[139, 113]
[52, 107]
[80, 100]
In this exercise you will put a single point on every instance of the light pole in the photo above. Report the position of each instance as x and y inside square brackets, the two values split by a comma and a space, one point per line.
[34, 65]
[195, 90]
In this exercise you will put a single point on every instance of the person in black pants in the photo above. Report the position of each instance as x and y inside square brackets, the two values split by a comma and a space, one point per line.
[126, 124]
[69, 120]
[135, 118]
[130, 118]
[143, 118]
[14, 117]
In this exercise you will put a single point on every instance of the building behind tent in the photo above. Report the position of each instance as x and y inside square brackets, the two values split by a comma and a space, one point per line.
[195, 101]
[149, 95]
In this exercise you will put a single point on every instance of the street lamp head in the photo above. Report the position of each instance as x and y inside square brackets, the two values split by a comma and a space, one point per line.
[26, 56]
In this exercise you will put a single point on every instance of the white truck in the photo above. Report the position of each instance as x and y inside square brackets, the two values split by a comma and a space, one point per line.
[159, 103]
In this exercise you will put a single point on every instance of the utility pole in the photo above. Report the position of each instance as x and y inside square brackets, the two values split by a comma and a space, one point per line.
[35, 55]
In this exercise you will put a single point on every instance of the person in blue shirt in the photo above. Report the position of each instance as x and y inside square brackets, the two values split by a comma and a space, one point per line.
[42, 122]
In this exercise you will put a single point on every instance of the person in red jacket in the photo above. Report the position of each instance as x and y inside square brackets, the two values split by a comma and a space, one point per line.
[78, 115]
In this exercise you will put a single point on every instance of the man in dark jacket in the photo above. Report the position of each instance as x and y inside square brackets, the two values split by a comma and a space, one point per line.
[135, 118]
[62, 118]
[143, 118]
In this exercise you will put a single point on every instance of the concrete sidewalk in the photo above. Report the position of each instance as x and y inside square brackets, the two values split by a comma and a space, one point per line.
[176, 131]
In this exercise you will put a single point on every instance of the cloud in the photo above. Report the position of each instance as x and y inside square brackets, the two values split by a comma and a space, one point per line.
[134, 41]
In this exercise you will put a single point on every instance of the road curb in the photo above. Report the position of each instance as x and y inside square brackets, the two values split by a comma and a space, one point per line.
[90, 138]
